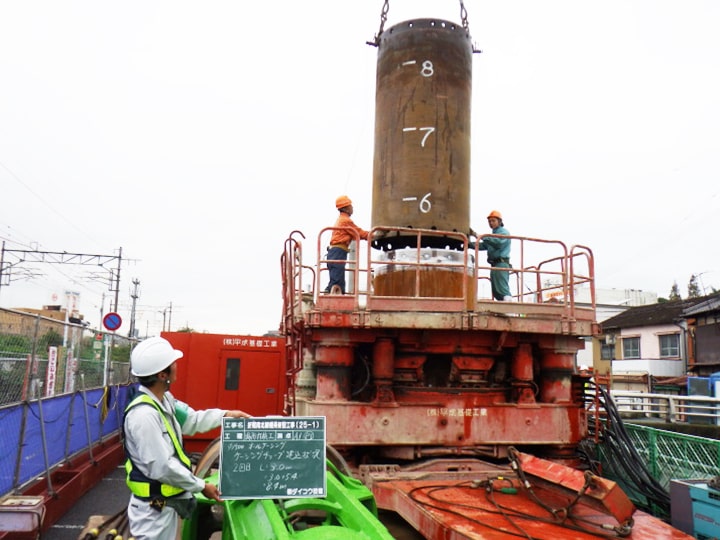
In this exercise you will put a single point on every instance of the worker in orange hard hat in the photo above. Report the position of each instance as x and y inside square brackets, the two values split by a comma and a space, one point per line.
[343, 201]
[498, 256]
[345, 232]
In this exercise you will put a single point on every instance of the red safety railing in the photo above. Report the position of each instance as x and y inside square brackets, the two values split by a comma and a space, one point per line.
[546, 275]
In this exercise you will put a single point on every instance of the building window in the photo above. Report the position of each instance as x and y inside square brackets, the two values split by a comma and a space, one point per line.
[232, 374]
[670, 346]
[607, 352]
[631, 347]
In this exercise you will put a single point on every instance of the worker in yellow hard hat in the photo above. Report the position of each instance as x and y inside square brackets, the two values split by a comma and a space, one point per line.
[345, 232]
[498, 256]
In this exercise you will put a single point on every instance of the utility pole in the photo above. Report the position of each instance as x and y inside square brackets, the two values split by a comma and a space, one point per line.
[135, 294]
[102, 308]
[2, 262]
[117, 279]
[167, 317]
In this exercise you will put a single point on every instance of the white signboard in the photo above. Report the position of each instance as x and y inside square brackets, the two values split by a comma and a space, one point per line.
[51, 371]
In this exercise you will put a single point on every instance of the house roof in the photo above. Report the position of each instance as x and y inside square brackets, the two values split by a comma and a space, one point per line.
[650, 315]
[708, 304]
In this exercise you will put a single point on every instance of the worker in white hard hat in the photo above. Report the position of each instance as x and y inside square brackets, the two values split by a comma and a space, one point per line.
[498, 256]
[158, 470]
[340, 244]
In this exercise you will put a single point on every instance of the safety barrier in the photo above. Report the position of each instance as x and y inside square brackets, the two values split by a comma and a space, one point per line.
[42, 357]
[666, 456]
[546, 276]
[643, 459]
[40, 435]
[668, 407]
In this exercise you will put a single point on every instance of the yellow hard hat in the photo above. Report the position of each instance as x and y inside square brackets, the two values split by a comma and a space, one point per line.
[342, 201]
[495, 214]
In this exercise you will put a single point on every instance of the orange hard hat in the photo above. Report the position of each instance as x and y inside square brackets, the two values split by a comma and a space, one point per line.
[495, 214]
[342, 201]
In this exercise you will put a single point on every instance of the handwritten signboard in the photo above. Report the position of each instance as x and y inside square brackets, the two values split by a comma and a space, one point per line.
[273, 458]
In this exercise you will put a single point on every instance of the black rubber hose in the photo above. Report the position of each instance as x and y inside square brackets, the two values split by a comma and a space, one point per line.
[625, 457]
[631, 449]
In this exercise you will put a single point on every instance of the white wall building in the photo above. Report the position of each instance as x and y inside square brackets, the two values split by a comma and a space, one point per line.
[608, 303]
[647, 340]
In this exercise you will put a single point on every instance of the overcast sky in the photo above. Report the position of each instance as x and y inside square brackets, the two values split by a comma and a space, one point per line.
[198, 135]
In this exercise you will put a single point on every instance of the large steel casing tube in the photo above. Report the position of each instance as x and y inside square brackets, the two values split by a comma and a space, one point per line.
[421, 167]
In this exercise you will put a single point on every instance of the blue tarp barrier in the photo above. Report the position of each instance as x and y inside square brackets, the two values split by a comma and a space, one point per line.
[39, 435]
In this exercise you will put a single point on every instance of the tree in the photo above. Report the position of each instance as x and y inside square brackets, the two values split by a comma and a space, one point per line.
[51, 338]
[693, 287]
[674, 292]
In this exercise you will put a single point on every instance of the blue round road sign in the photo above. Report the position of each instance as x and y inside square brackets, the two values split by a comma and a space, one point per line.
[112, 321]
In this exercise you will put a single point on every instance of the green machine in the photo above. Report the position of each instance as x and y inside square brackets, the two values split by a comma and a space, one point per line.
[347, 511]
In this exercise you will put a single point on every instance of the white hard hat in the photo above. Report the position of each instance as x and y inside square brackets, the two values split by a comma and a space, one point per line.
[152, 356]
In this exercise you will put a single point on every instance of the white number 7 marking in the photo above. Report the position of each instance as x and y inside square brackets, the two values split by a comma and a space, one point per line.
[427, 130]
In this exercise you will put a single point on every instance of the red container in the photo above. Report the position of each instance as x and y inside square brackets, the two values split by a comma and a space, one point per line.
[229, 372]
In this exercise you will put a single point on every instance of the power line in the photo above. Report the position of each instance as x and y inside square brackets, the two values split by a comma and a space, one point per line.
[47, 204]
[61, 257]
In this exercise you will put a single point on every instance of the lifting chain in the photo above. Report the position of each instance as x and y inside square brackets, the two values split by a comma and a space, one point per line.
[463, 17]
[386, 8]
[383, 20]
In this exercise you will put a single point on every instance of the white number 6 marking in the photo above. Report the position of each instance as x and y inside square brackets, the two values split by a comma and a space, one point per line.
[425, 204]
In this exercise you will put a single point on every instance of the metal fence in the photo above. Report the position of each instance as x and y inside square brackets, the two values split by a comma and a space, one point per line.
[671, 408]
[667, 456]
[642, 459]
[676, 455]
[42, 357]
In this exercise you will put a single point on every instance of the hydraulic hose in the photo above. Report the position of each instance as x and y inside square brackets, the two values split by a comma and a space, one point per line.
[624, 457]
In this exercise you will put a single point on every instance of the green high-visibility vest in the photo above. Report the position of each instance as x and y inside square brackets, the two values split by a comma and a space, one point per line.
[139, 484]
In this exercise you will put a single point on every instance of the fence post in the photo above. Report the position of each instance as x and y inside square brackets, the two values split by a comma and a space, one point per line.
[87, 418]
[43, 436]
[653, 452]
[33, 358]
[672, 410]
[69, 425]
[21, 445]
